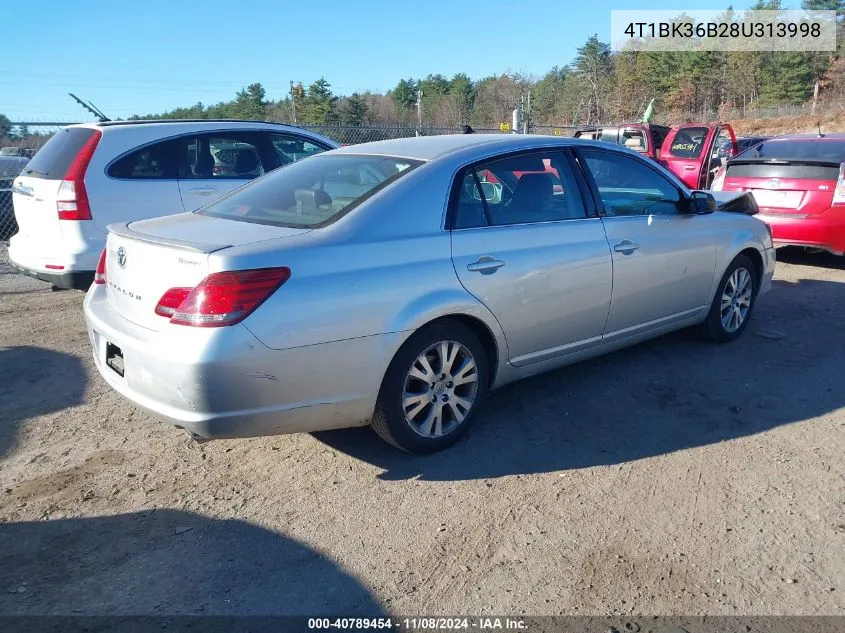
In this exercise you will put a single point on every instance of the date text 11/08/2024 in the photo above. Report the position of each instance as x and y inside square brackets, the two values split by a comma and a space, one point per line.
[418, 623]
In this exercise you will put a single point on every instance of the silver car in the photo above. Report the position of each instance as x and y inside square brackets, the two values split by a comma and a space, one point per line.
[396, 283]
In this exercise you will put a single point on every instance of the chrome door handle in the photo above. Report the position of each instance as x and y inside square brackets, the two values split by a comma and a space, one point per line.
[485, 265]
[203, 191]
[690, 167]
[626, 246]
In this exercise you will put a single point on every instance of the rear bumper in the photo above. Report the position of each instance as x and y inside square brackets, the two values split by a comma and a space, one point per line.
[824, 230]
[76, 256]
[79, 280]
[224, 383]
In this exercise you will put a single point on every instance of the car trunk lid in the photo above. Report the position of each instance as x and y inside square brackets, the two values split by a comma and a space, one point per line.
[790, 187]
[145, 259]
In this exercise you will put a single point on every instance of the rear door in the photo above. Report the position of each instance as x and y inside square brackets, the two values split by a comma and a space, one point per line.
[688, 152]
[219, 162]
[663, 261]
[35, 191]
[524, 244]
[139, 184]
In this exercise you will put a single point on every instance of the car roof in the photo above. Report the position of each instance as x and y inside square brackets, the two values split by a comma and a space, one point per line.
[198, 124]
[432, 147]
[834, 136]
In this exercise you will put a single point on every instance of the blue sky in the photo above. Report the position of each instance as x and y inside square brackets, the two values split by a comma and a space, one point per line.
[160, 55]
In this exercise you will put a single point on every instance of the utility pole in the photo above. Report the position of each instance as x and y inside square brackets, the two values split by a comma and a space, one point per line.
[419, 111]
[293, 100]
[527, 117]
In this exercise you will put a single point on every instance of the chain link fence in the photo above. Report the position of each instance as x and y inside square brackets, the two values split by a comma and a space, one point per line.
[14, 153]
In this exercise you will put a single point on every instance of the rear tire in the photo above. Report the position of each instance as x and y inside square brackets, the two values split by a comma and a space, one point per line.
[733, 304]
[433, 388]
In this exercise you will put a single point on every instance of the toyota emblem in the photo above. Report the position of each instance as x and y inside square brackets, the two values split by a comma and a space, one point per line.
[121, 257]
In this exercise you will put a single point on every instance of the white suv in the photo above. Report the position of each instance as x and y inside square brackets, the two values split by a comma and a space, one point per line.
[94, 174]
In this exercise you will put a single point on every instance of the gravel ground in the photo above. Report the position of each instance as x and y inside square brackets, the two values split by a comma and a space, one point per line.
[676, 477]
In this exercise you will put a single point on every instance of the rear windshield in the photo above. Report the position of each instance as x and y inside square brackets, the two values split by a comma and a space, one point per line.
[53, 160]
[795, 149]
[688, 142]
[310, 193]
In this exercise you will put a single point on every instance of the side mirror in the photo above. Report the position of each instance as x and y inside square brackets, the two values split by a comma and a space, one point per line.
[700, 203]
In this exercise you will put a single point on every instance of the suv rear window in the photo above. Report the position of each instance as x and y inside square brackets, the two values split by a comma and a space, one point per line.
[53, 160]
[310, 193]
[796, 149]
[688, 142]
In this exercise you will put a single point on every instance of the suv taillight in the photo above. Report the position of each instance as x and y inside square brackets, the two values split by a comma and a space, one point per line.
[72, 200]
[223, 298]
[719, 179]
[100, 273]
[839, 191]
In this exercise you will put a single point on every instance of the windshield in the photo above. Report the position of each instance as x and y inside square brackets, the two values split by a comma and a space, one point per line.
[310, 193]
[796, 149]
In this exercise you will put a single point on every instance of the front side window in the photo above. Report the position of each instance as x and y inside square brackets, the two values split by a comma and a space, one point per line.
[223, 156]
[520, 189]
[291, 148]
[688, 142]
[311, 193]
[628, 187]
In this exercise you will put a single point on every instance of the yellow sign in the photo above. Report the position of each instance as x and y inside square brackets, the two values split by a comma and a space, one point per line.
[505, 127]
[556, 131]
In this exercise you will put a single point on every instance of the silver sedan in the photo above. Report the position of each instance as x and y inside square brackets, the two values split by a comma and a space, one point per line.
[396, 283]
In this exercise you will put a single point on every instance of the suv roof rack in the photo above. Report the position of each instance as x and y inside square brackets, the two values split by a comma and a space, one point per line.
[142, 121]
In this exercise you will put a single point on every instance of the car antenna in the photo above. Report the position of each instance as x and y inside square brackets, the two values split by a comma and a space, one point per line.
[91, 108]
[819, 125]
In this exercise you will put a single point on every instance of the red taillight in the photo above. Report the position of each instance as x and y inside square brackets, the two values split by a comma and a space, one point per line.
[222, 298]
[100, 273]
[171, 300]
[839, 191]
[72, 201]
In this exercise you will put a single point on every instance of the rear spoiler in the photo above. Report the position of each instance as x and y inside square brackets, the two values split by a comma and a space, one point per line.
[736, 202]
[124, 230]
[750, 160]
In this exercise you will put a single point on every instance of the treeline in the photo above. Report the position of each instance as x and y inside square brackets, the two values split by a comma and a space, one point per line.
[597, 86]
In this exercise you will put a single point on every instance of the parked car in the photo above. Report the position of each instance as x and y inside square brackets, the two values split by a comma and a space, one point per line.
[690, 151]
[10, 167]
[381, 284]
[91, 175]
[645, 138]
[743, 143]
[798, 181]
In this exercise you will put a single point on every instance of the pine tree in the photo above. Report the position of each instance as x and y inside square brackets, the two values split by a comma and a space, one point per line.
[320, 103]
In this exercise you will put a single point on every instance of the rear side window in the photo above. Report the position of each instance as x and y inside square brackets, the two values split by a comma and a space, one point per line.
[311, 193]
[52, 160]
[518, 189]
[688, 142]
[156, 161]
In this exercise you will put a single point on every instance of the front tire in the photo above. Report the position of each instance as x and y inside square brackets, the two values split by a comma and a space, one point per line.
[733, 304]
[432, 389]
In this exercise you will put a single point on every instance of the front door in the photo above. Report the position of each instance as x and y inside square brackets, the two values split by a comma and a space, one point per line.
[663, 260]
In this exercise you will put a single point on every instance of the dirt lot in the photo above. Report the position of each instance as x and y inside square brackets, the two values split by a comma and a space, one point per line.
[673, 478]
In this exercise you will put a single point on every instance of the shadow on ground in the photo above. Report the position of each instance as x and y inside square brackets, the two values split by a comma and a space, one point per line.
[35, 381]
[168, 562]
[802, 257]
[673, 393]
